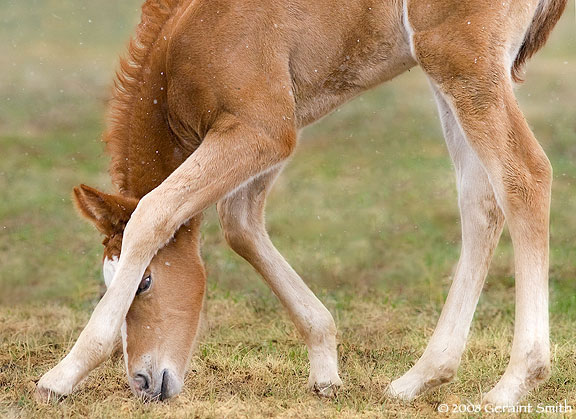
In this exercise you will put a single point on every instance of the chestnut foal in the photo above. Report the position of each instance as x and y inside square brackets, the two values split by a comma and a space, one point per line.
[207, 109]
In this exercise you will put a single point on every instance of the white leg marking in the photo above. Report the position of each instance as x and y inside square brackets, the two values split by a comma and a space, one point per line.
[482, 223]
[530, 355]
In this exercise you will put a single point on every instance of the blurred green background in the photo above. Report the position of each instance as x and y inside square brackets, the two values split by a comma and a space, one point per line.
[367, 205]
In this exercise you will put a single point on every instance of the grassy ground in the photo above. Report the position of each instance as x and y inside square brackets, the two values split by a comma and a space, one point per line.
[366, 212]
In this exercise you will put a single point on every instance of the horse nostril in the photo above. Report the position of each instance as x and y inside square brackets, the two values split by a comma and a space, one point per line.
[142, 381]
[164, 389]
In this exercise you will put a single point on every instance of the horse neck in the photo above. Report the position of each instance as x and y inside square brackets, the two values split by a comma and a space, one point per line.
[153, 152]
[143, 148]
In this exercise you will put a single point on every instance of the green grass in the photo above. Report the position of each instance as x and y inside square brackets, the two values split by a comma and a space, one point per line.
[366, 212]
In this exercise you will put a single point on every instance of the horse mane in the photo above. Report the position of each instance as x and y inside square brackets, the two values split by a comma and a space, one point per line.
[127, 85]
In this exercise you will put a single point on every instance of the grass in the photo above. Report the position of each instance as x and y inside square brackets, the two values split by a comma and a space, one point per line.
[348, 214]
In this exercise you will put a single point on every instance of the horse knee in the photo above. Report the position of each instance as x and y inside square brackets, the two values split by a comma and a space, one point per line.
[240, 234]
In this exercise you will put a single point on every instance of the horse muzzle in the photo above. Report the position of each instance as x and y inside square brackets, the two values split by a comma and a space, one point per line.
[160, 386]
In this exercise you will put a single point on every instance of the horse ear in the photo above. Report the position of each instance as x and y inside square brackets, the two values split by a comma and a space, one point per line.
[109, 213]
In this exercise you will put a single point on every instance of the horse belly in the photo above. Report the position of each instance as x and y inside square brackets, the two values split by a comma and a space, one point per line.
[344, 85]
[346, 55]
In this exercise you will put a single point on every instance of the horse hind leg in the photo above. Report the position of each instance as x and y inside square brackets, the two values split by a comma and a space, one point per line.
[482, 222]
[482, 98]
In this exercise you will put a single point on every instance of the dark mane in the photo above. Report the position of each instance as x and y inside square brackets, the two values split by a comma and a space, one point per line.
[127, 84]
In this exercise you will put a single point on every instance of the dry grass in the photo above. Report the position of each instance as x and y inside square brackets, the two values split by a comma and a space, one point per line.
[354, 225]
[252, 364]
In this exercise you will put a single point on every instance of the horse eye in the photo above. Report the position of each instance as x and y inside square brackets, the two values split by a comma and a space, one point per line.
[144, 284]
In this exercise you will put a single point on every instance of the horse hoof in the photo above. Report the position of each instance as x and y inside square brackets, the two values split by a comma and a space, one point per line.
[327, 390]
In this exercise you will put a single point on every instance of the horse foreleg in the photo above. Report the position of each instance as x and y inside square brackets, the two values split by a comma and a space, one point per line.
[242, 219]
[231, 154]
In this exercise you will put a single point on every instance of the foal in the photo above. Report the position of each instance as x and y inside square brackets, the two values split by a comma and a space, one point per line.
[207, 109]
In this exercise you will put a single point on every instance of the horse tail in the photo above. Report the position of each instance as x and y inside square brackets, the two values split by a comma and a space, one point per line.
[547, 14]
